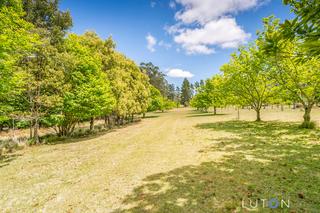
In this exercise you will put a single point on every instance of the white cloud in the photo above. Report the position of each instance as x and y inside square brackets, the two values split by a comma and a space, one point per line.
[193, 49]
[224, 33]
[206, 10]
[151, 42]
[203, 25]
[176, 28]
[179, 73]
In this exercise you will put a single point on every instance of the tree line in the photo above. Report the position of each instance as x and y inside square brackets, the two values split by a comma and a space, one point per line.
[52, 78]
[281, 66]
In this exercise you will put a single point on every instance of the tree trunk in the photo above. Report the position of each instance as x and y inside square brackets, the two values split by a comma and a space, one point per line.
[117, 120]
[110, 121]
[307, 116]
[238, 118]
[35, 131]
[214, 110]
[30, 131]
[144, 115]
[258, 115]
[106, 121]
[281, 107]
[91, 123]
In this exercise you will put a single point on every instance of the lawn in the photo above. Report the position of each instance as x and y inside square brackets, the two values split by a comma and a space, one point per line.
[180, 161]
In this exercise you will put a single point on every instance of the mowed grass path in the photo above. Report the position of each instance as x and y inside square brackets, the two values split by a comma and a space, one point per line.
[179, 161]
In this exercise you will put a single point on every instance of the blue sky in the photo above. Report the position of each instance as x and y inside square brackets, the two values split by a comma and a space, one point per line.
[185, 36]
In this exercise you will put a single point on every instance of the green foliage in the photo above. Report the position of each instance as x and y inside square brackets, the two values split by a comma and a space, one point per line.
[45, 14]
[16, 42]
[305, 27]
[157, 78]
[210, 94]
[201, 101]
[248, 79]
[186, 92]
[156, 100]
[129, 85]
[169, 104]
[296, 75]
[87, 92]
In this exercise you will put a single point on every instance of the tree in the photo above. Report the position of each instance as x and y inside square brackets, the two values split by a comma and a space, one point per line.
[305, 27]
[88, 93]
[186, 92]
[157, 78]
[16, 42]
[156, 100]
[210, 94]
[45, 14]
[292, 71]
[171, 92]
[43, 82]
[296, 74]
[130, 87]
[201, 101]
[216, 91]
[247, 78]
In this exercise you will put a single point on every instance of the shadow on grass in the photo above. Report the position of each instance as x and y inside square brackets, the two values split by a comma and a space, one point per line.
[150, 116]
[7, 158]
[261, 161]
[204, 114]
[83, 135]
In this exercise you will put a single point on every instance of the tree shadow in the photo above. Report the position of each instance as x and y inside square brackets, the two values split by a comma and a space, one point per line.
[7, 158]
[204, 114]
[262, 161]
[150, 116]
[85, 135]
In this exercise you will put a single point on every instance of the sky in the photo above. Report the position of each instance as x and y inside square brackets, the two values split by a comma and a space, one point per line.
[184, 38]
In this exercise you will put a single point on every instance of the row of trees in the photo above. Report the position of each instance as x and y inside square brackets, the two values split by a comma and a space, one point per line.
[168, 93]
[50, 79]
[281, 66]
[210, 93]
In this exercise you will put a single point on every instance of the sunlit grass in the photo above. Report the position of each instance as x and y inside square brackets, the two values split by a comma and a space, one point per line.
[266, 160]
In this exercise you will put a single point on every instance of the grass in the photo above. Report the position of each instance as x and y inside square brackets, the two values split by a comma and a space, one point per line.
[204, 114]
[265, 160]
[171, 163]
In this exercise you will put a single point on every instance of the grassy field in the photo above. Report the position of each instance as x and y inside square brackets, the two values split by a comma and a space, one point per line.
[179, 161]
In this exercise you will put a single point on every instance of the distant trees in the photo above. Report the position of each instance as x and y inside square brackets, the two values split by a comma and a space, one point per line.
[167, 97]
[186, 92]
[210, 93]
[157, 78]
